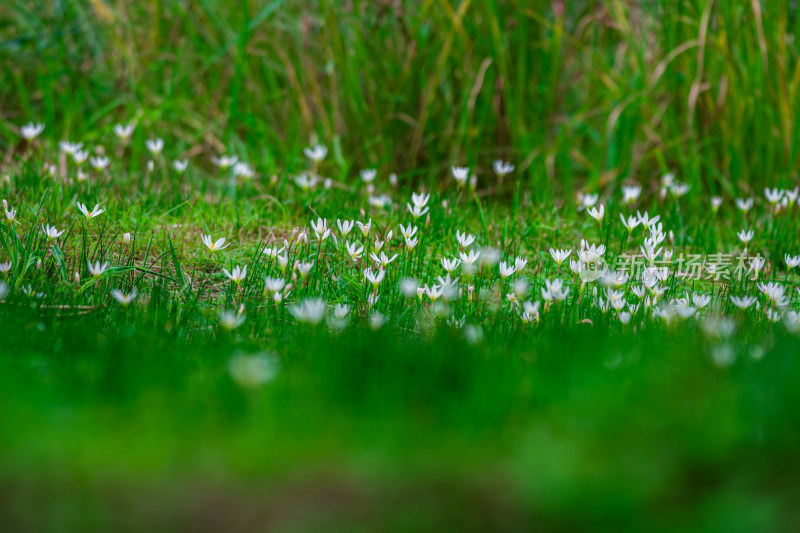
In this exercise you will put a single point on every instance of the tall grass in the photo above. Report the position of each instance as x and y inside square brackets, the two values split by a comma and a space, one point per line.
[577, 92]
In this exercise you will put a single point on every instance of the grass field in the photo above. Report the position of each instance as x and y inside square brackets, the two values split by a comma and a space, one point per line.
[399, 266]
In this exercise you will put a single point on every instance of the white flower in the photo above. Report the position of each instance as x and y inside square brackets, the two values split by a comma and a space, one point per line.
[231, 320]
[376, 320]
[379, 202]
[744, 205]
[354, 251]
[126, 238]
[420, 200]
[774, 195]
[408, 286]
[630, 193]
[69, 147]
[368, 175]
[180, 165]
[99, 162]
[646, 220]
[225, 161]
[408, 232]
[460, 174]
[469, 258]
[520, 263]
[90, 214]
[122, 298]
[316, 153]
[80, 156]
[5, 267]
[212, 245]
[792, 262]
[716, 201]
[586, 200]
[30, 131]
[345, 227]
[320, 228]
[489, 256]
[506, 270]
[97, 269]
[341, 311]
[364, 228]
[597, 213]
[123, 132]
[559, 256]
[243, 170]
[700, 300]
[630, 223]
[52, 232]
[554, 290]
[745, 236]
[305, 182]
[383, 260]
[309, 310]
[273, 285]
[743, 302]
[449, 265]
[502, 168]
[679, 189]
[590, 253]
[305, 268]
[464, 239]
[272, 251]
[11, 213]
[237, 275]
[154, 146]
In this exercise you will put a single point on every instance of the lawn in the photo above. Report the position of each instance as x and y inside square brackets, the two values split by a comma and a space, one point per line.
[399, 266]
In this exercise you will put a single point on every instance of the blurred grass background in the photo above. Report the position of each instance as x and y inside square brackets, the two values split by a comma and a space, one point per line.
[584, 91]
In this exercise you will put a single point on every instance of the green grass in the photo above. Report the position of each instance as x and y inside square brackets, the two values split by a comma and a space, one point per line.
[451, 415]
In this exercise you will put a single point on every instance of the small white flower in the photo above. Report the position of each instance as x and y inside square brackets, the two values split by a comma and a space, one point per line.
[80, 156]
[744, 204]
[51, 232]
[309, 310]
[96, 211]
[180, 165]
[345, 226]
[69, 147]
[559, 256]
[124, 299]
[464, 239]
[502, 168]
[597, 213]
[213, 245]
[773, 195]
[305, 182]
[354, 251]
[716, 202]
[316, 153]
[237, 275]
[368, 175]
[630, 193]
[30, 131]
[792, 262]
[460, 174]
[123, 132]
[97, 269]
[449, 265]
[506, 270]
[743, 302]
[225, 161]
[99, 163]
[231, 320]
[745, 236]
[243, 170]
[154, 146]
[630, 223]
